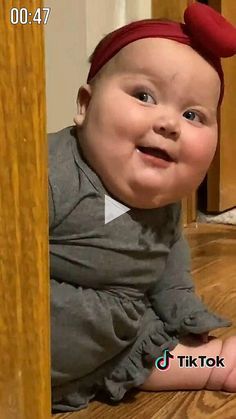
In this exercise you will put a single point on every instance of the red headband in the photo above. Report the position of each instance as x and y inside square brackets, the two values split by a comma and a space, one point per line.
[205, 30]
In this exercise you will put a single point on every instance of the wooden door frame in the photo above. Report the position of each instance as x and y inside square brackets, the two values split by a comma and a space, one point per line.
[24, 287]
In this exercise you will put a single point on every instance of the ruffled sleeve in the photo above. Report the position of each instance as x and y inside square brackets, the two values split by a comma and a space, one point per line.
[174, 299]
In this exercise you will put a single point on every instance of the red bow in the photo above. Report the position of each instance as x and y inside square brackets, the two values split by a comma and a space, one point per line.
[205, 30]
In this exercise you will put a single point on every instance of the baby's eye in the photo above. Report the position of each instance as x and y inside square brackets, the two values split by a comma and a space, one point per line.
[192, 116]
[144, 96]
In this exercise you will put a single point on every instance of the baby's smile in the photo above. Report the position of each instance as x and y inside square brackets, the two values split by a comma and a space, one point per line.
[155, 152]
[155, 156]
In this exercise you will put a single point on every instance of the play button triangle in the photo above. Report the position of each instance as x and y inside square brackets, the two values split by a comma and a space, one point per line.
[113, 209]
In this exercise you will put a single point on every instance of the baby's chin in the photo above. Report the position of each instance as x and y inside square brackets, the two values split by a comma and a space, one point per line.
[141, 200]
[157, 202]
[147, 190]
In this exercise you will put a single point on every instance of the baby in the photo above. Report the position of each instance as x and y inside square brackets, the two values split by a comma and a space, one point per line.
[121, 291]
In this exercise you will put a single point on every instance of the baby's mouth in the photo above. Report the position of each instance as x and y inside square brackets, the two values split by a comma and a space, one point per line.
[156, 152]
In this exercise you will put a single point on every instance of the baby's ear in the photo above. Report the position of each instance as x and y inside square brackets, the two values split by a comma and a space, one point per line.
[83, 99]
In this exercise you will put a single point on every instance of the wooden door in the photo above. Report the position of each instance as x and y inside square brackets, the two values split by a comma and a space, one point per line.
[24, 274]
[221, 179]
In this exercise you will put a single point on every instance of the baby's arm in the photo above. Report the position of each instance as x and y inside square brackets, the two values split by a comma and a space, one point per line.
[196, 378]
[174, 300]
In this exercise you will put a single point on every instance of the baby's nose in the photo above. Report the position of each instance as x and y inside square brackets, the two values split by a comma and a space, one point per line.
[167, 125]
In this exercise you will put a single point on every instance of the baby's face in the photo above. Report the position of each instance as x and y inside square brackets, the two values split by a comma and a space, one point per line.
[157, 93]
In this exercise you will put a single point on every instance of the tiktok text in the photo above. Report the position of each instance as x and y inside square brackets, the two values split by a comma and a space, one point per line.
[202, 361]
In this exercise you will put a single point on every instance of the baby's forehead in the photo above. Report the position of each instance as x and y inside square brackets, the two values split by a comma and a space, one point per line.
[148, 54]
[169, 65]
[160, 57]
[148, 50]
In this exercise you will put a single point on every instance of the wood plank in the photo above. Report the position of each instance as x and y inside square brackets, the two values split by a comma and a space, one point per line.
[24, 307]
[199, 234]
[221, 184]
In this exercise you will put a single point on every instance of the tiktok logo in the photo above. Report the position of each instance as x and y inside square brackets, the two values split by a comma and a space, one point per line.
[163, 362]
[187, 361]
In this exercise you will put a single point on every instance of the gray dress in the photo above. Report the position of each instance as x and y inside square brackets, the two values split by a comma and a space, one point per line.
[121, 292]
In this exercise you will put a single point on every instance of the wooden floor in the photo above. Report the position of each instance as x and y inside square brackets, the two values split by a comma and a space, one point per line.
[214, 272]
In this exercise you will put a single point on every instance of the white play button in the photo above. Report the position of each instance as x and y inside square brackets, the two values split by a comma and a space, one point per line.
[113, 209]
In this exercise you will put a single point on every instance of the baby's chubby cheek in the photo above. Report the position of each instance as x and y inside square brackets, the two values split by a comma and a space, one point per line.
[127, 120]
[199, 153]
[128, 125]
